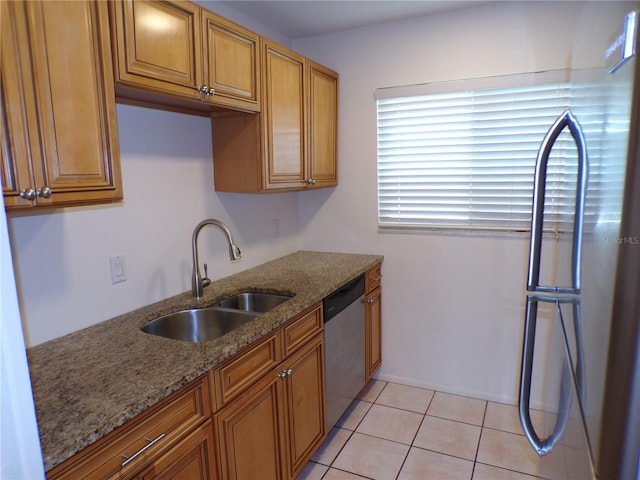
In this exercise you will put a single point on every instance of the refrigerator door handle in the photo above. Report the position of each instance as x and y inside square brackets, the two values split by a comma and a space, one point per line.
[567, 119]
[578, 361]
[541, 446]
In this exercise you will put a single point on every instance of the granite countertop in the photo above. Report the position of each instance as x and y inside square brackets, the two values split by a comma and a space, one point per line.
[89, 382]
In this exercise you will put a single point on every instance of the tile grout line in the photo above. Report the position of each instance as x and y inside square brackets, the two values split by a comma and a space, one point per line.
[484, 419]
[412, 441]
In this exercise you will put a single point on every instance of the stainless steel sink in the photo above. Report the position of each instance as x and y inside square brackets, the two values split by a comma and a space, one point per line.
[205, 324]
[198, 325]
[253, 301]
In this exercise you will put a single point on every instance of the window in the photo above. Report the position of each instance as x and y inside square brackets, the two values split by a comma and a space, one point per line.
[462, 154]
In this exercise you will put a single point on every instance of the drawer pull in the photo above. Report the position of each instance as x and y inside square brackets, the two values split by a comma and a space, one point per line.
[378, 278]
[131, 458]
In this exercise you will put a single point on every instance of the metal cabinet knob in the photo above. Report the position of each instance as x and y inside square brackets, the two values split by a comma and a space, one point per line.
[44, 192]
[311, 181]
[206, 90]
[285, 373]
[371, 301]
[28, 194]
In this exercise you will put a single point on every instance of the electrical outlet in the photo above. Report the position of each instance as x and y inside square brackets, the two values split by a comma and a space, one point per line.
[118, 270]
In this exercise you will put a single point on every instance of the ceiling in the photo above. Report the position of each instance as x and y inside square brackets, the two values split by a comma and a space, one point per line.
[305, 18]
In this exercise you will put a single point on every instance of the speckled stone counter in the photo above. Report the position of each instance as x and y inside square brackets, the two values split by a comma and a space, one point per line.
[91, 381]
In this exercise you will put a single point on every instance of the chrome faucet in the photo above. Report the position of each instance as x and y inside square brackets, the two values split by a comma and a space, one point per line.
[197, 281]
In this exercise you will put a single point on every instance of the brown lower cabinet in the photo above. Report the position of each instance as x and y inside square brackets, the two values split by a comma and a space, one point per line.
[230, 423]
[373, 321]
[157, 441]
[273, 430]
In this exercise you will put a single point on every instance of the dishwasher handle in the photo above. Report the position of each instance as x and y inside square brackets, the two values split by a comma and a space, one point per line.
[344, 296]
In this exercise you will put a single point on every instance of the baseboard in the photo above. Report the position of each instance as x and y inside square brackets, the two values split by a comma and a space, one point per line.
[465, 392]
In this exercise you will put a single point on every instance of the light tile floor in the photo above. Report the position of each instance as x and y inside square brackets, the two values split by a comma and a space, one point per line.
[394, 431]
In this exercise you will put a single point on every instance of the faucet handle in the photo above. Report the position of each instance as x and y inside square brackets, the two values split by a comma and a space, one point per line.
[206, 281]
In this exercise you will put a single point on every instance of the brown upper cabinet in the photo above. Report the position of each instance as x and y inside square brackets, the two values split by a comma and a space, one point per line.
[291, 144]
[232, 63]
[179, 55]
[58, 129]
[322, 126]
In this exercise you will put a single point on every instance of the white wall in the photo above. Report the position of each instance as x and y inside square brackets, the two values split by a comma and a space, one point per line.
[62, 259]
[19, 440]
[452, 305]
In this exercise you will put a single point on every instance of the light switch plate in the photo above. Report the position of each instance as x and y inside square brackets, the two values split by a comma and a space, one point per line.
[118, 271]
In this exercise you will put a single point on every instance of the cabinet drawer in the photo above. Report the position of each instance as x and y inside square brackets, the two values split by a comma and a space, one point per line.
[373, 278]
[191, 459]
[301, 329]
[165, 422]
[246, 368]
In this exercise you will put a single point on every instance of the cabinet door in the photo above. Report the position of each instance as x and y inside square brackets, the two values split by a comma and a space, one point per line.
[191, 459]
[249, 433]
[232, 63]
[323, 126]
[16, 97]
[284, 117]
[373, 332]
[304, 391]
[73, 81]
[158, 45]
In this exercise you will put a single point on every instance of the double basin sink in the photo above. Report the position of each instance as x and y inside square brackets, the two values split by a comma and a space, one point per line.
[209, 323]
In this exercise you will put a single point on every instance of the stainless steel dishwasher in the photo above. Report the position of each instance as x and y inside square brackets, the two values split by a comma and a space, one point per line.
[344, 347]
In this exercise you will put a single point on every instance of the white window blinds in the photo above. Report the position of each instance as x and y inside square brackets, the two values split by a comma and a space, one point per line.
[462, 154]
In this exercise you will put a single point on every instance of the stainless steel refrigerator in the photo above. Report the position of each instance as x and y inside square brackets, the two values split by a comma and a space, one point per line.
[579, 398]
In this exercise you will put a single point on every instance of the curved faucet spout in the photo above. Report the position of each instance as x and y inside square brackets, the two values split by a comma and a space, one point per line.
[197, 281]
